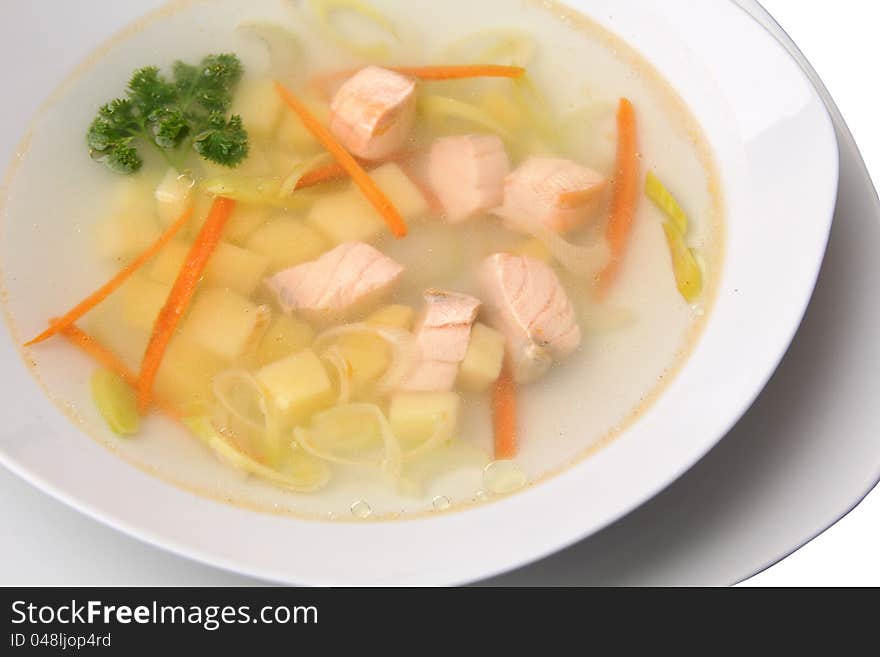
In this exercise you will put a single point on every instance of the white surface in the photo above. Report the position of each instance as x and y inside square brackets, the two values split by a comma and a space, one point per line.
[105, 542]
[838, 44]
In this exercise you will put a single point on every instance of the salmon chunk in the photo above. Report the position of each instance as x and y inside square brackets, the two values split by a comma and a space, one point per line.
[467, 174]
[443, 333]
[526, 302]
[340, 283]
[373, 112]
[558, 193]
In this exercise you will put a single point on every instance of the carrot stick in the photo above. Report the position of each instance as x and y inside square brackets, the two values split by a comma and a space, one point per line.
[335, 171]
[623, 202]
[360, 177]
[96, 297]
[460, 72]
[109, 361]
[180, 296]
[504, 414]
[429, 73]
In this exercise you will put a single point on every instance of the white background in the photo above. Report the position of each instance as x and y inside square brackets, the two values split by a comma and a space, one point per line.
[840, 40]
[44, 542]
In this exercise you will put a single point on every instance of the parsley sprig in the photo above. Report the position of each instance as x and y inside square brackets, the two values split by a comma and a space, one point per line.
[187, 112]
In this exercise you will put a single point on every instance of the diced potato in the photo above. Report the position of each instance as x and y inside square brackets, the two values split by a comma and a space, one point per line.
[345, 216]
[166, 265]
[484, 358]
[287, 242]
[293, 135]
[415, 416]
[238, 269]
[225, 323]
[246, 219]
[298, 385]
[535, 248]
[369, 357]
[131, 225]
[284, 336]
[393, 316]
[186, 373]
[107, 326]
[142, 299]
[401, 190]
[172, 196]
[259, 105]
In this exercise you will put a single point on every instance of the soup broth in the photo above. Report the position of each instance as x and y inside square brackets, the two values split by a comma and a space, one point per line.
[315, 395]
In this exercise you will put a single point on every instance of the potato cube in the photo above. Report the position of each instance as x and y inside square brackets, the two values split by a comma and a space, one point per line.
[186, 374]
[236, 268]
[285, 336]
[534, 248]
[142, 299]
[167, 264]
[394, 316]
[401, 190]
[345, 216]
[293, 135]
[172, 196]
[287, 242]
[246, 219]
[224, 323]
[131, 225]
[483, 360]
[416, 416]
[298, 385]
[369, 357]
[259, 105]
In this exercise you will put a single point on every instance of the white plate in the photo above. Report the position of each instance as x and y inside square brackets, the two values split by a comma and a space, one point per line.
[757, 107]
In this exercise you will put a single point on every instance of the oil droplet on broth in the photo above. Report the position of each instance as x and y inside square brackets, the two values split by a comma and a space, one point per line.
[502, 477]
[361, 509]
[442, 503]
[187, 178]
[481, 496]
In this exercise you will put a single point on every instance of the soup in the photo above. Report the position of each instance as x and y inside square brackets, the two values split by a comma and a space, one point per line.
[379, 265]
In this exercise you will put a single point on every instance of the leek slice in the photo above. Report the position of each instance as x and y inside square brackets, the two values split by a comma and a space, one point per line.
[337, 435]
[244, 411]
[266, 191]
[325, 11]
[116, 402]
[503, 46]
[688, 274]
[403, 350]
[301, 168]
[440, 108]
[285, 52]
[664, 200]
[301, 473]
[582, 261]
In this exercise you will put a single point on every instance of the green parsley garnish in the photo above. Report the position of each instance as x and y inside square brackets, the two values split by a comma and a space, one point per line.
[187, 112]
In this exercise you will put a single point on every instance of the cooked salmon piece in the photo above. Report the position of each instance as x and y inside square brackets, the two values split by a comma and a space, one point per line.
[443, 333]
[558, 193]
[340, 283]
[467, 173]
[373, 112]
[526, 302]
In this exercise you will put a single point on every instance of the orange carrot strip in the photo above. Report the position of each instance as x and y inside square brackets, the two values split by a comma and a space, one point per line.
[335, 171]
[504, 414]
[360, 177]
[324, 83]
[96, 297]
[180, 296]
[108, 360]
[460, 72]
[623, 202]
